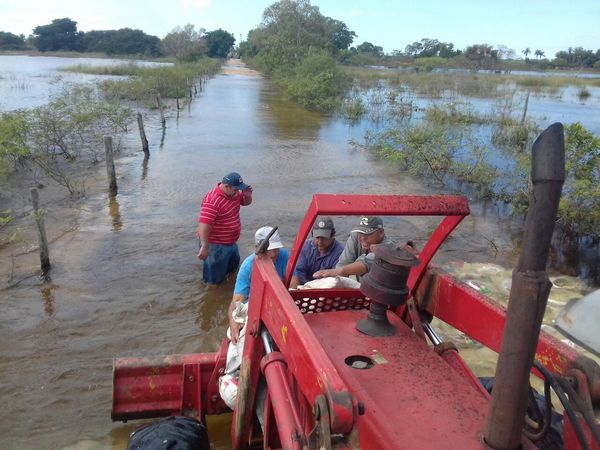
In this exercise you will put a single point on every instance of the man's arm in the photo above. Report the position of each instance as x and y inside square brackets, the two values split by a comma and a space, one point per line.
[247, 196]
[295, 281]
[234, 326]
[357, 268]
[203, 232]
[301, 272]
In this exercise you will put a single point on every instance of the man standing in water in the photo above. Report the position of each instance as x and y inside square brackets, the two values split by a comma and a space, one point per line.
[219, 227]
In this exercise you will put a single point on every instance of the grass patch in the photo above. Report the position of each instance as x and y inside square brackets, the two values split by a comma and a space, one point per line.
[127, 69]
[146, 83]
[434, 84]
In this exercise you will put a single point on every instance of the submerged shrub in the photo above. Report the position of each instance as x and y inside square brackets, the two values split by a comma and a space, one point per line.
[453, 113]
[513, 135]
[353, 108]
[579, 210]
[583, 93]
[316, 82]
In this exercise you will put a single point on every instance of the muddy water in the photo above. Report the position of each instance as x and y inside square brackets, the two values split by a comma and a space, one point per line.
[126, 281]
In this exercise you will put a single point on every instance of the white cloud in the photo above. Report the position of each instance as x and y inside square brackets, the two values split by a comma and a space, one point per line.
[356, 12]
[196, 4]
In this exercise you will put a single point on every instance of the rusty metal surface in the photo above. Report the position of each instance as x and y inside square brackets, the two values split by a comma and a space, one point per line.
[411, 398]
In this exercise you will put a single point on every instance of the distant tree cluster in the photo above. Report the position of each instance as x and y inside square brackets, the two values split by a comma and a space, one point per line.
[185, 44]
[578, 57]
[62, 35]
[123, 41]
[431, 47]
[9, 41]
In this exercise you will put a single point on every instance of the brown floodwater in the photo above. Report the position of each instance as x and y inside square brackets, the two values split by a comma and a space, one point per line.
[125, 280]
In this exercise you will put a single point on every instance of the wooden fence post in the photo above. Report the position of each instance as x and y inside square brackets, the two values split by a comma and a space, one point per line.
[145, 148]
[110, 164]
[162, 113]
[39, 220]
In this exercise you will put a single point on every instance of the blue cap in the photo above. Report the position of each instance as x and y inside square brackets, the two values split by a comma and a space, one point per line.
[235, 179]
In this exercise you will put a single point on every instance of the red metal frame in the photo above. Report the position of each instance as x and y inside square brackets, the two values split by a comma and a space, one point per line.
[482, 319]
[304, 372]
[157, 387]
[455, 208]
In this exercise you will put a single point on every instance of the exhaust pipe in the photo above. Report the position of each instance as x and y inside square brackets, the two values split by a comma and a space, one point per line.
[528, 295]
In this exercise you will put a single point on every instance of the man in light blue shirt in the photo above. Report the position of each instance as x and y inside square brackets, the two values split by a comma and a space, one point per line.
[276, 252]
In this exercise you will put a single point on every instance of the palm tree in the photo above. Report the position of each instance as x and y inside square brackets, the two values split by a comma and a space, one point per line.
[526, 52]
[539, 54]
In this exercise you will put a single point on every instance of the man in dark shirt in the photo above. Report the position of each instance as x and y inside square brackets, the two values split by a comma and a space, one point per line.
[320, 252]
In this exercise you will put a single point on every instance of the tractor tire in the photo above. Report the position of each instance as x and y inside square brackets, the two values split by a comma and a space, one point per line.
[172, 433]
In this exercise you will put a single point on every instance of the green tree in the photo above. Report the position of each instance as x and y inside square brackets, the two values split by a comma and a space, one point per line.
[186, 44]
[340, 37]
[123, 41]
[481, 56]
[61, 34]
[9, 41]
[431, 47]
[367, 47]
[526, 52]
[289, 30]
[539, 54]
[219, 43]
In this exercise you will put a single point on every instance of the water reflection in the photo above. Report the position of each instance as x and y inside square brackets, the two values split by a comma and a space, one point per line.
[162, 137]
[145, 167]
[287, 119]
[48, 298]
[115, 212]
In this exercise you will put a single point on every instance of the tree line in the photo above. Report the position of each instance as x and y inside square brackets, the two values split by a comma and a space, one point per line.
[62, 35]
[318, 32]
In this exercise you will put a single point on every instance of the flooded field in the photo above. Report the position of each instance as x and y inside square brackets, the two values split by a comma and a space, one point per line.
[125, 279]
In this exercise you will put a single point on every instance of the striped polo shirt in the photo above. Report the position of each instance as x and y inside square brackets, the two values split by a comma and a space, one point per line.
[223, 215]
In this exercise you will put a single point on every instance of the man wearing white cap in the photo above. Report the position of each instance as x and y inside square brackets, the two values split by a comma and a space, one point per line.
[276, 252]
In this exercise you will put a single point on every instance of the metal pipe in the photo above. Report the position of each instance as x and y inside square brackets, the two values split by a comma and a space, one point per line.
[267, 342]
[430, 332]
[528, 295]
[283, 403]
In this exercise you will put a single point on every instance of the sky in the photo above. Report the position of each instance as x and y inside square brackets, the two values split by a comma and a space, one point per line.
[391, 24]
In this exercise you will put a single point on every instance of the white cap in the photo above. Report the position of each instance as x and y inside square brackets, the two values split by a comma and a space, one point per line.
[274, 241]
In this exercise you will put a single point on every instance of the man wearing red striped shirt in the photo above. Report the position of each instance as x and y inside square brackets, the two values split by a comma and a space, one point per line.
[219, 227]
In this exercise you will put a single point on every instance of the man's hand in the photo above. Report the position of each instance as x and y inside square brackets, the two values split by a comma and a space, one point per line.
[203, 253]
[235, 328]
[328, 273]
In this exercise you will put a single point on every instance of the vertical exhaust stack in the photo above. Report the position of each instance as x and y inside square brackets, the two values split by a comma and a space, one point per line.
[385, 285]
[528, 295]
